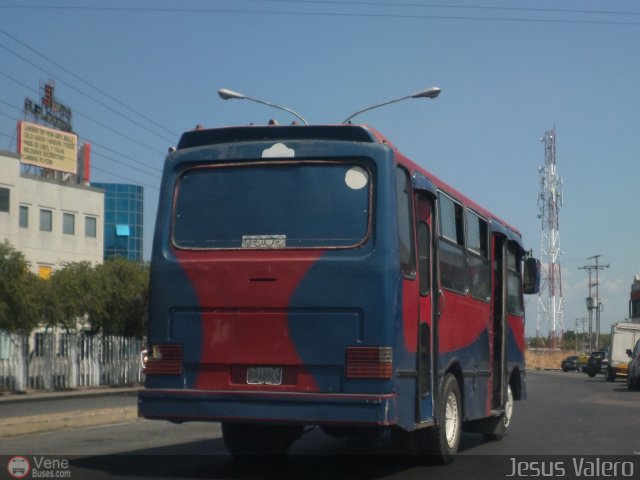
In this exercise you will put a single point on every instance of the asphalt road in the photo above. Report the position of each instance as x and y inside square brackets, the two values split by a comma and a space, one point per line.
[566, 414]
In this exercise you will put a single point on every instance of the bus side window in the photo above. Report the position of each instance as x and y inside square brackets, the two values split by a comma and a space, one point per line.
[453, 262]
[515, 303]
[424, 258]
[478, 257]
[405, 223]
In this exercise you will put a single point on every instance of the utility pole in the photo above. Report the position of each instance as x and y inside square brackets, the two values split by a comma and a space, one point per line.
[582, 321]
[594, 303]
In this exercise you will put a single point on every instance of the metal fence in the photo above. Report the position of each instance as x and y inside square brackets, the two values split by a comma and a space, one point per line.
[62, 361]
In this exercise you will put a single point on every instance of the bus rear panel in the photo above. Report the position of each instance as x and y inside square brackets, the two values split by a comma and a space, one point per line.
[269, 302]
[315, 276]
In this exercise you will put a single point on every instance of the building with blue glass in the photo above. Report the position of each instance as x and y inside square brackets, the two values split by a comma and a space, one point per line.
[123, 220]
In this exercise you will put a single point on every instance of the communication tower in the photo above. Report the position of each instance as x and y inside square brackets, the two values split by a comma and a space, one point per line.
[550, 300]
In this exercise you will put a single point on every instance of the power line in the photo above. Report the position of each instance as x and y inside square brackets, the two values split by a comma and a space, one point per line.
[324, 14]
[10, 106]
[84, 94]
[10, 137]
[94, 153]
[98, 154]
[457, 7]
[123, 135]
[124, 178]
[123, 156]
[9, 117]
[77, 77]
[22, 84]
[79, 113]
[152, 167]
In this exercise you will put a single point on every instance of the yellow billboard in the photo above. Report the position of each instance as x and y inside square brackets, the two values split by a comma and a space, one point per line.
[47, 148]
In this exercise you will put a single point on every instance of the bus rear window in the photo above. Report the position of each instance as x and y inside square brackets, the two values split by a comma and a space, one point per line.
[277, 205]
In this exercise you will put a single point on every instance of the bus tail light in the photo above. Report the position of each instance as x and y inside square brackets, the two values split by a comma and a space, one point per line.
[370, 362]
[162, 360]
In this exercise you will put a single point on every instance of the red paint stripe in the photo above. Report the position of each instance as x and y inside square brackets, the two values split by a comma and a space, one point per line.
[233, 335]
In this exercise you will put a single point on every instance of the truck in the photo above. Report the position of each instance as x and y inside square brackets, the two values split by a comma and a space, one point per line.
[624, 335]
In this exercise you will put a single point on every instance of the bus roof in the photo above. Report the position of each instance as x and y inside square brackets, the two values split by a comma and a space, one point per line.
[214, 136]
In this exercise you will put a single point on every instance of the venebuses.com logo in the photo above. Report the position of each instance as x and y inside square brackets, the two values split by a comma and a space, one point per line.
[19, 466]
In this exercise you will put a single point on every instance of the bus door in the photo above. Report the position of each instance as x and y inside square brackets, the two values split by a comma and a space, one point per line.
[497, 336]
[424, 237]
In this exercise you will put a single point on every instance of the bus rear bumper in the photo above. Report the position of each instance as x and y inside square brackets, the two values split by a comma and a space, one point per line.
[268, 407]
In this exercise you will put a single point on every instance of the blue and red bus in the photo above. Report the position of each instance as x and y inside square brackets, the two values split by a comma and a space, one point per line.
[315, 276]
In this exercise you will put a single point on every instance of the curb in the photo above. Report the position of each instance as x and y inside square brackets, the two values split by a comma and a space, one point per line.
[45, 396]
[13, 426]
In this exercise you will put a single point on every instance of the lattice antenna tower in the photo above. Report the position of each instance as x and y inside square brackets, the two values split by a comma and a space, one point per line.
[550, 300]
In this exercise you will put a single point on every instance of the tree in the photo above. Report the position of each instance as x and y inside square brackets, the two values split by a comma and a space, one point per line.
[121, 302]
[75, 293]
[19, 306]
[537, 342]
[605, 341]
[49, 311]
[112, 297]
[570, 340]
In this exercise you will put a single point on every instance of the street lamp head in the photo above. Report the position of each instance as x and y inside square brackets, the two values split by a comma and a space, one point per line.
[431, 92]
[226, 94]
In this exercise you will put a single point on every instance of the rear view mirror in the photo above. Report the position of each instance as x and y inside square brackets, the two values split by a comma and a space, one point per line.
[531, 277]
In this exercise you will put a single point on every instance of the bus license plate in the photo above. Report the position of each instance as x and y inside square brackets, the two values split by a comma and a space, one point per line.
[264, 375]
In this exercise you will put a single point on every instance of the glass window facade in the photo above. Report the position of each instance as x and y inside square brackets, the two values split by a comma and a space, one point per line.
[123, 220]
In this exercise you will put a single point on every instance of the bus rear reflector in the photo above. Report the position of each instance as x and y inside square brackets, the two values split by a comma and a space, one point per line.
[369, 362]
[162, 360]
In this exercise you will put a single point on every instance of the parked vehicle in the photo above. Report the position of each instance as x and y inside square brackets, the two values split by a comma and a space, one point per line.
[570, 363]
[633, 378]
[597, 363]
[623, 337]
[582, 362]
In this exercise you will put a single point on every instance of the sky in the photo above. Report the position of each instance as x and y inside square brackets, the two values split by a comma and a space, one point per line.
[137, 73]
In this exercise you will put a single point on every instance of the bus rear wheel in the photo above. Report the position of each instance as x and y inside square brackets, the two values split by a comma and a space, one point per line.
[443, 439]
[244, 440]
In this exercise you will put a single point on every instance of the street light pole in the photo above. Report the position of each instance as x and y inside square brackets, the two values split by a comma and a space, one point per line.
[431, 92]
[226, 94]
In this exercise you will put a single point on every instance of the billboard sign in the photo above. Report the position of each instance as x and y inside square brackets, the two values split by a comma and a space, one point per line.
[49, 111]
[47, 148]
